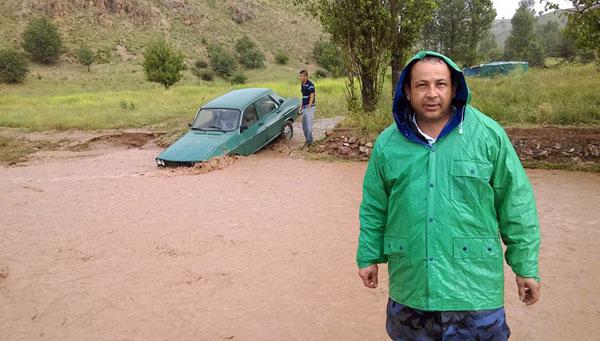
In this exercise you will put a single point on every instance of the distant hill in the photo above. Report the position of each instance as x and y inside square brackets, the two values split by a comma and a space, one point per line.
[501, 27]
[123, 27]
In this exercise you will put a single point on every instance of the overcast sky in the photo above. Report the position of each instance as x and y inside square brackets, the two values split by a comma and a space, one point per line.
[506, 8]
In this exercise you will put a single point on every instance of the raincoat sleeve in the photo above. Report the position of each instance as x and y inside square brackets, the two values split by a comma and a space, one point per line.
[373, 213]
[516, 211]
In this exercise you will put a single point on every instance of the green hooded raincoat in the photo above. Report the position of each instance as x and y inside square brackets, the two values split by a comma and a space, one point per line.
[437, 214]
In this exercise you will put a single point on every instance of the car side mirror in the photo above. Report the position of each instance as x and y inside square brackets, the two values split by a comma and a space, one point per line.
[189, 124]
[281, 100]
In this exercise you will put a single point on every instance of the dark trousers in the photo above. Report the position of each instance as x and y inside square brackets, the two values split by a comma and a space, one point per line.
[408, 324]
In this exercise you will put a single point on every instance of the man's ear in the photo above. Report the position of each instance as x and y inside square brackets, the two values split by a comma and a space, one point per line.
[407, 91]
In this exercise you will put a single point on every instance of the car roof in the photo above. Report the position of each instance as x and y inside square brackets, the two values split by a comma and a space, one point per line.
[237, 99]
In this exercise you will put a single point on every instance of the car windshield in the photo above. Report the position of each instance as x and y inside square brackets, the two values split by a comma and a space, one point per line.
[217, 119]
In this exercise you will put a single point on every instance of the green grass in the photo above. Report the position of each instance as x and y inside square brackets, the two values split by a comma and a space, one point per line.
[117, 96]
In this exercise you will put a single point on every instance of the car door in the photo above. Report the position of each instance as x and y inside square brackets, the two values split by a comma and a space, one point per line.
[269, 112]
[252, 130]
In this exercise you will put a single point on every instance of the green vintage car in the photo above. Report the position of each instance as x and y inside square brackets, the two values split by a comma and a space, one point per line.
[238, 123]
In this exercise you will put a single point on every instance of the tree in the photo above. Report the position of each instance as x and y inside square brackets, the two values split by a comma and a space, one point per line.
[523, 44]
[550, 34]
[408, 19]
[13, 66]
[361, 30]
[488, 48]
[329, 57]
[458, 27]
[85, 56]
[583, 24]
[162, 64]
[42, 40]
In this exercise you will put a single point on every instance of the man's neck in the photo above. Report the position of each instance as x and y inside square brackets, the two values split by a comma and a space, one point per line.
[432, 128]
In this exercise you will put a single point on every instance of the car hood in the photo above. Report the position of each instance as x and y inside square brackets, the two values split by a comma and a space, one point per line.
[196, 145]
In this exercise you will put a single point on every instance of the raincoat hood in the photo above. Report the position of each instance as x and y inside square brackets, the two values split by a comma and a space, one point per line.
[402, 108]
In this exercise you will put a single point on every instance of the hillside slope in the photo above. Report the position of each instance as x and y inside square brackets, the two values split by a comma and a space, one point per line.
[123, 27]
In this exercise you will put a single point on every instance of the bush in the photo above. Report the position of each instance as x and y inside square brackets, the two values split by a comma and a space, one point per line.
[200, 64]
[320, 73]
[13, 66]
[221, 61]
[248, 53]
[203, 74]
[162, 64]
[42, 40]
[328, 56]
[281, 58]
[85, 56]
[103, 55]
[239, 78]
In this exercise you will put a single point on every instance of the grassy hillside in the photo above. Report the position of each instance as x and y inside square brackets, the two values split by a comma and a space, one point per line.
[123, 27]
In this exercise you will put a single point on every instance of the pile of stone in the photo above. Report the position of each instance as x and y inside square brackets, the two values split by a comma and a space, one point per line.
[344, 144]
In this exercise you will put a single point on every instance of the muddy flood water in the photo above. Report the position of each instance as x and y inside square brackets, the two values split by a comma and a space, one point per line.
[105, 246]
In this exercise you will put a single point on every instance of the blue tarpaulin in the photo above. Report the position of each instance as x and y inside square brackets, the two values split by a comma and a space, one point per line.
[496, 68]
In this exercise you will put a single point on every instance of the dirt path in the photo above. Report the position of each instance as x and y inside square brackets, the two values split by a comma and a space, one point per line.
[106, 246]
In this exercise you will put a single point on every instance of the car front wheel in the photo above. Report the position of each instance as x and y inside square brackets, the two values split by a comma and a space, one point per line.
[287, 130]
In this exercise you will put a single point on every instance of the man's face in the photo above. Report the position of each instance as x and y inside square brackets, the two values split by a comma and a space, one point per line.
[430, 91]
[302, 78]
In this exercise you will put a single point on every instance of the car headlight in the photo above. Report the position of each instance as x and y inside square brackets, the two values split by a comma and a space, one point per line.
[160, 162]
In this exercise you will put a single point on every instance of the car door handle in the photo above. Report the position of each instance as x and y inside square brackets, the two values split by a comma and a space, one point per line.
[260, 123]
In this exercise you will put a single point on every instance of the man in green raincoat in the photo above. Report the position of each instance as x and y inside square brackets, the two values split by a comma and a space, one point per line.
[443, 188]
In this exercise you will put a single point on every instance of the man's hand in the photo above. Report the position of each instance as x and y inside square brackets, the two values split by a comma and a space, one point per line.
[529, 290]
[369, 276]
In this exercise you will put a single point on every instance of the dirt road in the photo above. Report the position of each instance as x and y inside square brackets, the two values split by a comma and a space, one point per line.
[102, 245]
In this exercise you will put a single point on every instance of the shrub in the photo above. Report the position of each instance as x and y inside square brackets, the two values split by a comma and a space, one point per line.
[328, 56]
[281, 58]
[248, 53]
[200, 64]
[13, 66]
[103, 55]
[163, 64]
[203, 74]
[239, 78]
[42, 40]
[85, 56]
[320, 73]
[221, 61]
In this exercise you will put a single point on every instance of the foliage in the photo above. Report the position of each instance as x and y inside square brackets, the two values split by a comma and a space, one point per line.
[163, 64]
[239, 78]
[281, 58]
[221, 61]
[249, 54]
[200, 64]
[458, 27]
[488, 49]
[361, 30]
[523, 44]
[42, 41]
[85, 56]
[328, 56]
[13, 66]
[551, 35]
[408, 19]
[321, 73]
[584, 25]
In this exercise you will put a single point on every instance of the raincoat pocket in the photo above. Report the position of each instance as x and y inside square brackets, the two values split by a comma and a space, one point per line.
[393, 246]
[470, 180]
[478, 272]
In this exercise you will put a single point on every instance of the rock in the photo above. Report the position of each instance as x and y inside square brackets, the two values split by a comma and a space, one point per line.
[369, 145]
[345, 144]
[328, 132]
[352, 140]
[557, 145]
[321, 148]
[345, 139]
[343, 150]
[362, 142]
[241, 13]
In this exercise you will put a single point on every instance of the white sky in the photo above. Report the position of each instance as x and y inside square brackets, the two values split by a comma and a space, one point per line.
[506, 8]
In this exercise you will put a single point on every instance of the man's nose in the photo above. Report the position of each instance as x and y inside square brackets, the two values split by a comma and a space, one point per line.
[431, 93]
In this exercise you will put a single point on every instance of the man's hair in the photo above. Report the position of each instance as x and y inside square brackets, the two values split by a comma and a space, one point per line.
[304, 73]
[430, 59]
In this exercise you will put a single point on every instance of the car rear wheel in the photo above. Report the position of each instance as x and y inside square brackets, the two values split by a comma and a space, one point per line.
[287, 130]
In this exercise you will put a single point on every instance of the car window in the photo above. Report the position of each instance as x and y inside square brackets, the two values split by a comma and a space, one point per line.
[249, 116]
[277, 98]
[216, 119]
[265, 105]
